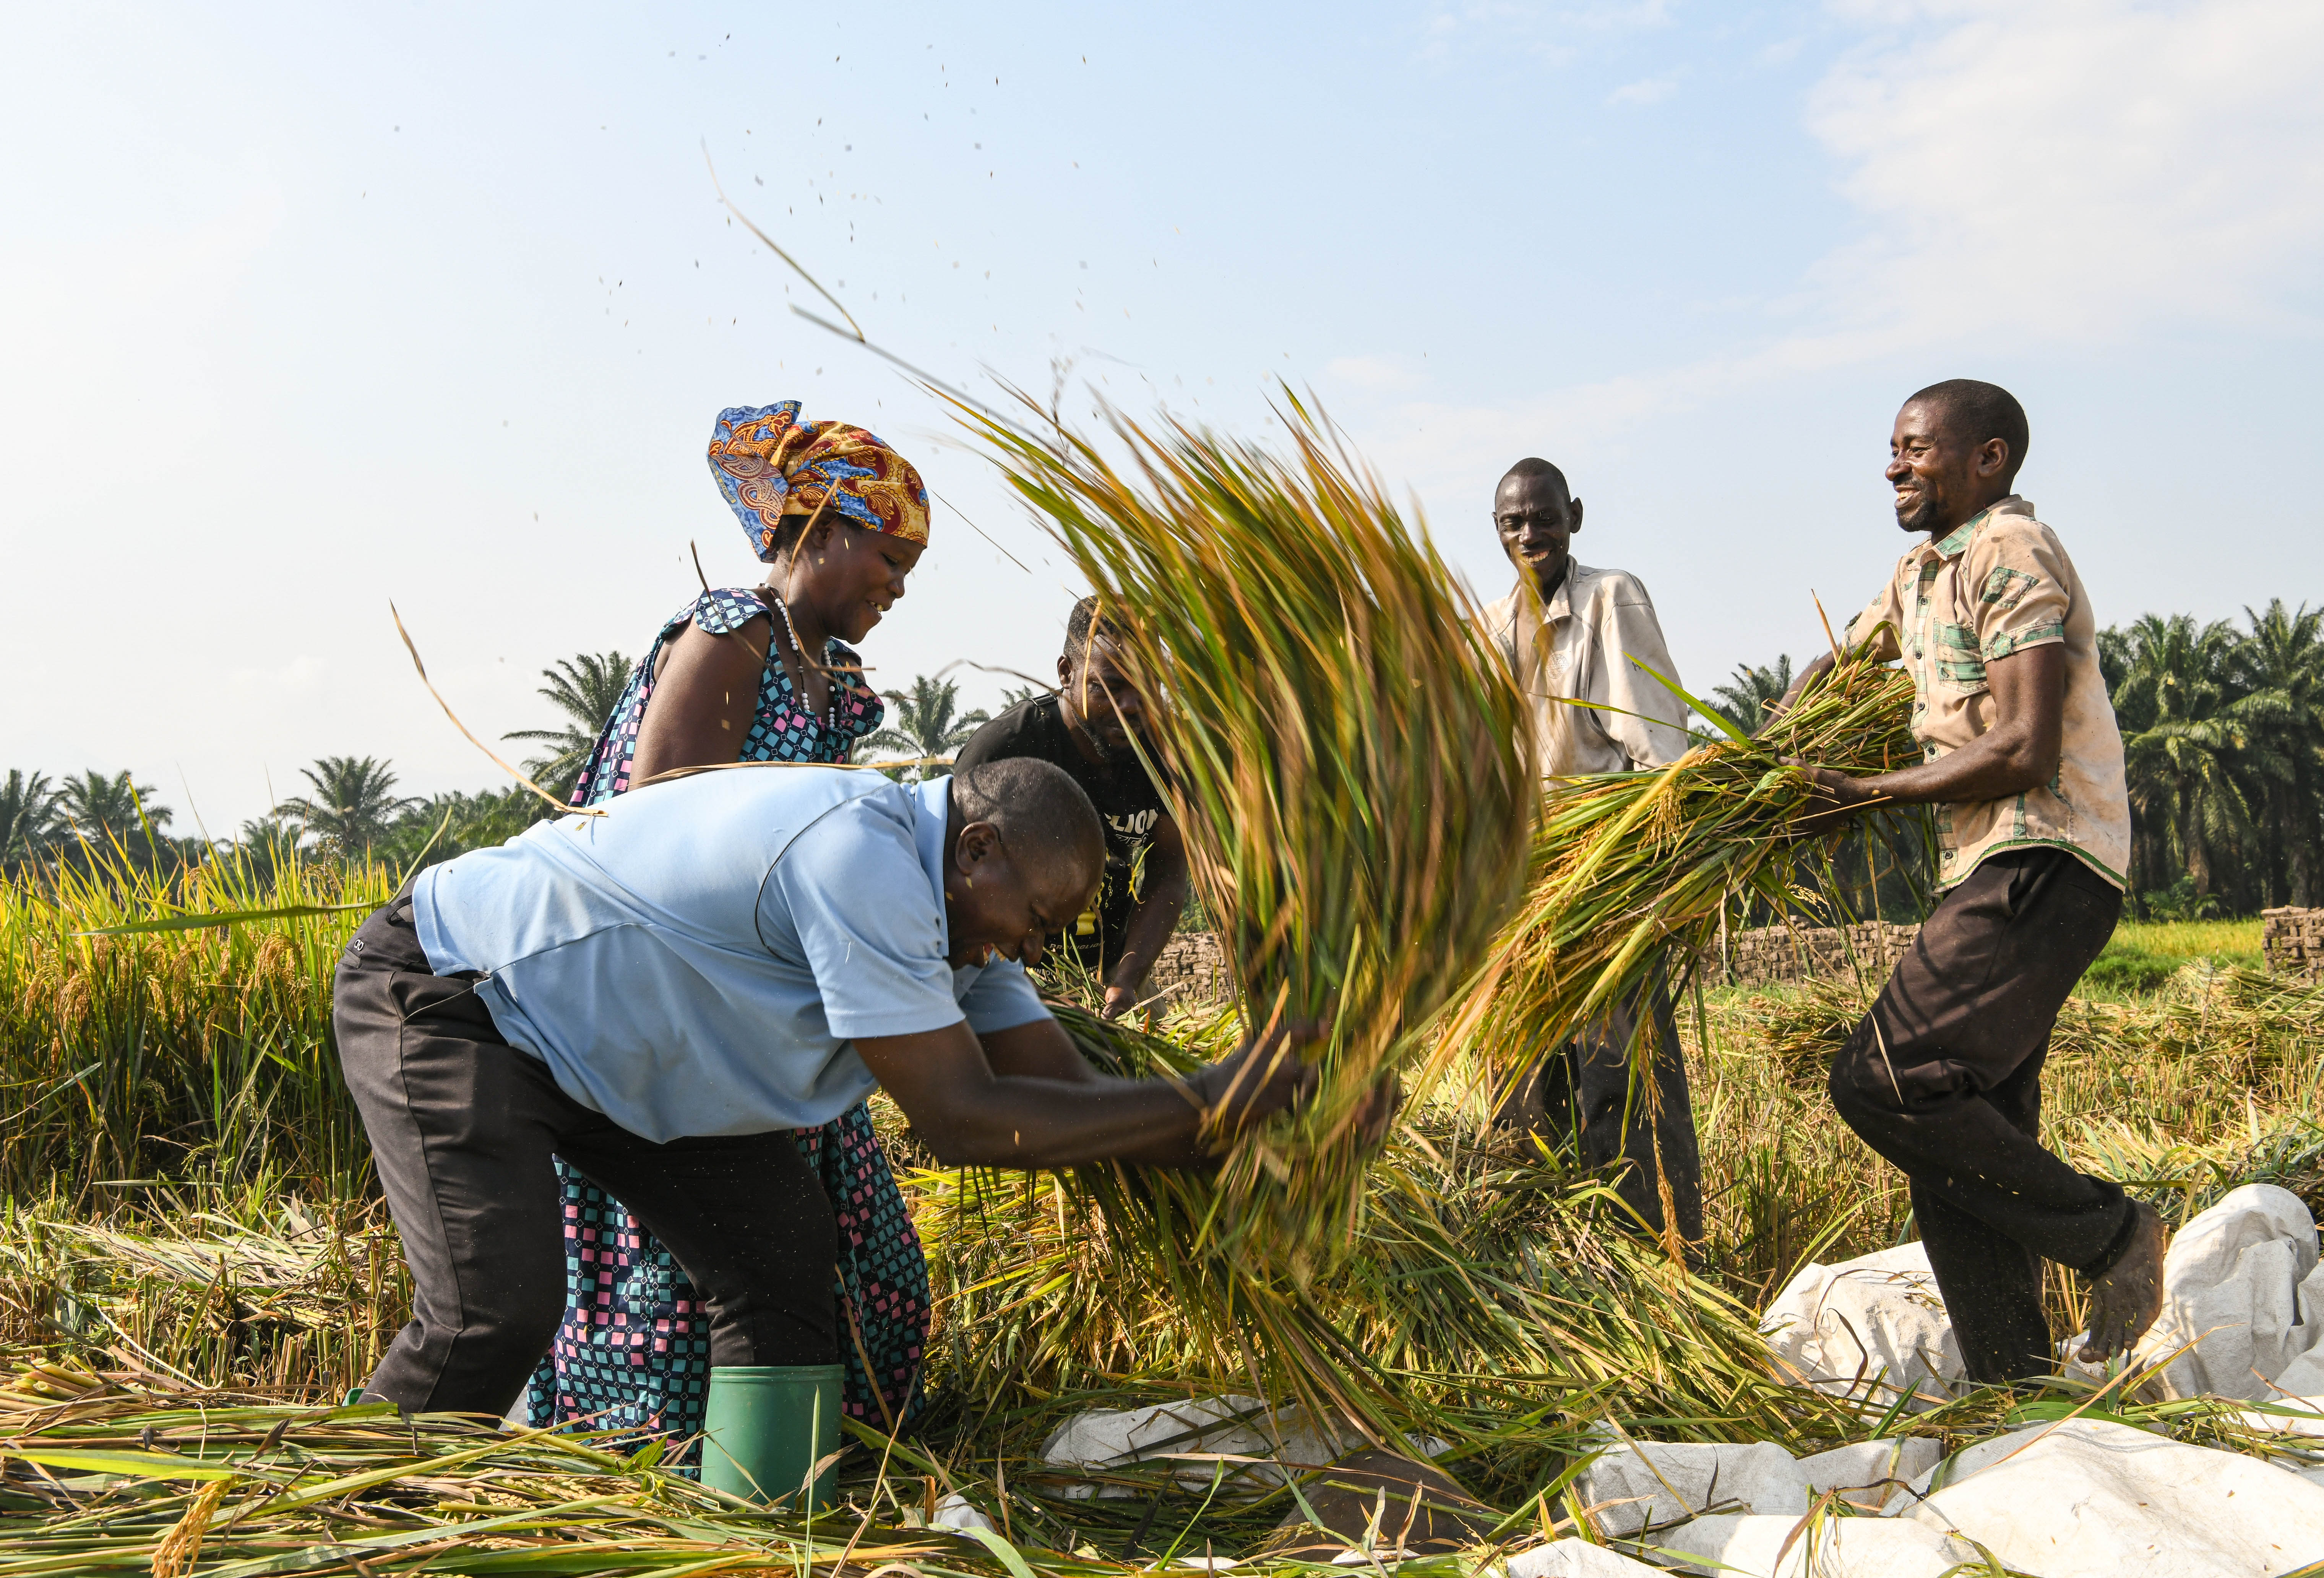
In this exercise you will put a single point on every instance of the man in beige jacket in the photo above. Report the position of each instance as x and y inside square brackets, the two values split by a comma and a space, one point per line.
[1574, 634]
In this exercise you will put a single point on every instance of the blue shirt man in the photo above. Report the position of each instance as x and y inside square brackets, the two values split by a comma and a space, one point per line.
[658, 994]
[716, 944]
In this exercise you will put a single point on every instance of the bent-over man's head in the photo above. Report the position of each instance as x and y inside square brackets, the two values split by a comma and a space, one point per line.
[1094, 687]
[1023, 852]
[1536, 517]
[1955, 451]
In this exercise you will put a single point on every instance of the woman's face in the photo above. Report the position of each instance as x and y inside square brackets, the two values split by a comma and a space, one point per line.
[850, 576]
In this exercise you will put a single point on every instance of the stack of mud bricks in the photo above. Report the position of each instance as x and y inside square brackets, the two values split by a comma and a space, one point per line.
[1191, 972]
[2294, 941]
[1772, 953]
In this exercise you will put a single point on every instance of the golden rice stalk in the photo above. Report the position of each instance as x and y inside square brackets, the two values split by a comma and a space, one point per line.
[1628, 869]
[1344, 752]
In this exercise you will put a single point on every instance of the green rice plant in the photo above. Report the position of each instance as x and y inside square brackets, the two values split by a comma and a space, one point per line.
[1345, 755]
[174, 1048]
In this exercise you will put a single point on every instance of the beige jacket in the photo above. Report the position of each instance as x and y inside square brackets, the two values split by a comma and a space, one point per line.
[1996, 584]
[1593, 642]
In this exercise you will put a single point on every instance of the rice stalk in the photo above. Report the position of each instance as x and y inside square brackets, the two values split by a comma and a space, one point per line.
[1485, 1298]
[1630, 869]
[1345, 757]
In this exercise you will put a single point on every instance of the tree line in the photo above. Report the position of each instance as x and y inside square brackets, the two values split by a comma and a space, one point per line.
[350, 808]
[2222, 728]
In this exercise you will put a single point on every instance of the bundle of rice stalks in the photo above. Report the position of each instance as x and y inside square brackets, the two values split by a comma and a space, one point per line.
[1343, 751]
[1485, 1298]
[1628, 869]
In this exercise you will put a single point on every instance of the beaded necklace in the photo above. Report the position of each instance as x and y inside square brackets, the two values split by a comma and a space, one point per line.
[831, 682]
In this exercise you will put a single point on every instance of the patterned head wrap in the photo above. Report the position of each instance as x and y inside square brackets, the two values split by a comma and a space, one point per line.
[770, 464]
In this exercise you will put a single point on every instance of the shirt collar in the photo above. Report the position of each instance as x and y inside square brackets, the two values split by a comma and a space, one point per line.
[932, 801]
[1953, 543]
[1558, 605]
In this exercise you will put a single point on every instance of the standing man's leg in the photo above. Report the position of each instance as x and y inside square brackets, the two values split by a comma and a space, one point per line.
[1579, 1093]
[1943, 1078]
[1992, 1283]
[1654, 1135]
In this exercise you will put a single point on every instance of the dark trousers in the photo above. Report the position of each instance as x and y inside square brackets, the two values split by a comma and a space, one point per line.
[1580, 1095]
[462, 1128]
[1943, 1077]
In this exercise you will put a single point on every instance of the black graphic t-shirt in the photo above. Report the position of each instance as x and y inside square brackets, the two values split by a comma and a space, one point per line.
[1126, 798]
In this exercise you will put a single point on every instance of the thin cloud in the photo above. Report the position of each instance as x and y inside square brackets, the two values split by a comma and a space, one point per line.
[2083, 174]
[1653, 90]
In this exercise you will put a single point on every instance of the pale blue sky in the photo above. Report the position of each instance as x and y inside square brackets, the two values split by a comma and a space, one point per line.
[306, 310]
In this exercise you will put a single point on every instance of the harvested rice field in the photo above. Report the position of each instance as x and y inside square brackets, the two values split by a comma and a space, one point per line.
[192, 1274]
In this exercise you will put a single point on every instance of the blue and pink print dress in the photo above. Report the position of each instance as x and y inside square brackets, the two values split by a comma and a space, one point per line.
[633, 1350]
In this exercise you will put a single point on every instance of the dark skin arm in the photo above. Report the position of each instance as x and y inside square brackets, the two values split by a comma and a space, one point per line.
[2020, 751]
[1155, 917]
[1026, 1098]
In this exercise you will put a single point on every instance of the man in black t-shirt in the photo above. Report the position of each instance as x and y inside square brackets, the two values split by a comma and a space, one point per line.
[1085, 728]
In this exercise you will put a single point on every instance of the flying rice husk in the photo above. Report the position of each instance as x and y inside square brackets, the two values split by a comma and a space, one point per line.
[1347, 761]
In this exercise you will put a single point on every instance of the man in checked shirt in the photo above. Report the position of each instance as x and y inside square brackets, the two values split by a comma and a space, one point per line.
[2022, 760]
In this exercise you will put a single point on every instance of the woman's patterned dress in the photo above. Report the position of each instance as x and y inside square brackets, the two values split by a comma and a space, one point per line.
[635, 1348]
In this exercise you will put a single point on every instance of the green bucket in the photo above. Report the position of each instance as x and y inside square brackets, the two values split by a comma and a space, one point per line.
[765, 1426]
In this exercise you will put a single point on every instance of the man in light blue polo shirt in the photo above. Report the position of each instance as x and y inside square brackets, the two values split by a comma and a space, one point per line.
[660, 993]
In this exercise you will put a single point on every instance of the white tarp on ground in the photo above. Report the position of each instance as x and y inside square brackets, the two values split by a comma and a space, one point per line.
[1650, 1484]
[2241, 1284]
[1113, 1438]
[1654, 1482]
[2089, 1499]
[1746, 1546]
[1573, 1558]
[1838, 1327]
[1867, 1472]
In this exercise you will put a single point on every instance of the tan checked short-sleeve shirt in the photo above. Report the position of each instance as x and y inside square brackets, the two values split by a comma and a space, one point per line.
[1997, 585]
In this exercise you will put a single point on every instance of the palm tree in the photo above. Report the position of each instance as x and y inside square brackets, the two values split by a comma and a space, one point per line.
[28, 818]
[2181, 741]
[2279, 668]
[585, 688]
[350, 808]
[1743, 700]
[922, 723]
[104, 812]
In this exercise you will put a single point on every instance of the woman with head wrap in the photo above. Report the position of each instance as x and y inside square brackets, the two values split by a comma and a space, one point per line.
[755, 674]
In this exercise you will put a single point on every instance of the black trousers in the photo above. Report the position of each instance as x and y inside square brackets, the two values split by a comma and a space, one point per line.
[462, 1128]
[1579, 1095]
[1943, 1078]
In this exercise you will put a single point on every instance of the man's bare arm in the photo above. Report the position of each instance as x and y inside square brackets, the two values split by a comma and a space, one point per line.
[971, 1115]
[2019, 753]
[1154, 918]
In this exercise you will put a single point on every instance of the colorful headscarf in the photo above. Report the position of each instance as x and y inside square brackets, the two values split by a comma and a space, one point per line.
[770, 464]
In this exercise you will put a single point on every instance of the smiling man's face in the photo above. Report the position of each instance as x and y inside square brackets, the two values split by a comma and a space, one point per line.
[997, 903]
[1536, 520]
[1941, 478]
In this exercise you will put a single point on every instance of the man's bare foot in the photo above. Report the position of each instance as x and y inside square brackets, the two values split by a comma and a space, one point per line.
[2125, 1301]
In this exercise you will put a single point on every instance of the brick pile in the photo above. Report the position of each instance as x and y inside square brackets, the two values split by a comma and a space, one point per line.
[2294, 942]
[1771, 953]
[1192, 971]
